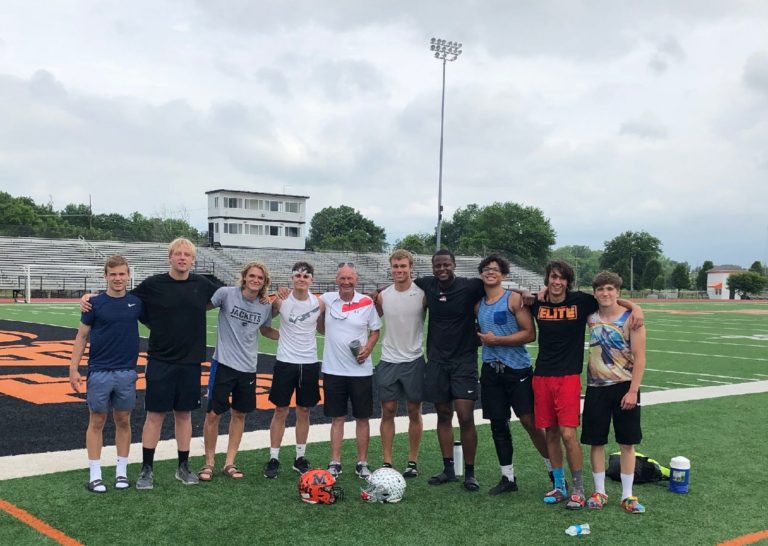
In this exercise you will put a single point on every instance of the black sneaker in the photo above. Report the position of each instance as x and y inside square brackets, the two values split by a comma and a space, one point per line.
[334, 469]
[386, 465]
[362, 470]
[411, 471]
[301, 465]
[271, 469]
[504, 486]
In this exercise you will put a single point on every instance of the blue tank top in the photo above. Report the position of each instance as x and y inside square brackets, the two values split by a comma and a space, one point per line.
[498, 319]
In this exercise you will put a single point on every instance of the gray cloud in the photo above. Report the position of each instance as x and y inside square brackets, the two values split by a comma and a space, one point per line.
[645, 127]
[756, 72]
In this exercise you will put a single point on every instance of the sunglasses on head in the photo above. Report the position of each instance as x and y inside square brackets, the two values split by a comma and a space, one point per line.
[348, 264]
[302, 275]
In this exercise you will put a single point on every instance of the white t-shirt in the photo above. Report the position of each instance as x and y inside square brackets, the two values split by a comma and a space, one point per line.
[298, 322]
[404, 314]
[344, 322]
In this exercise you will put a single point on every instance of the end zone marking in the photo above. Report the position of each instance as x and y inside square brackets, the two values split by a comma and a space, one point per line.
[37, 524]
[746, 539]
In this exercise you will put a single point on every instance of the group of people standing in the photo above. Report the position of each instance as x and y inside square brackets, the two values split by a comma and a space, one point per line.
[462, 314]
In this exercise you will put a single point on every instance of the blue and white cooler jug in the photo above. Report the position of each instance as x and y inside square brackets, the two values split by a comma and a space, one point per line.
[679, 474]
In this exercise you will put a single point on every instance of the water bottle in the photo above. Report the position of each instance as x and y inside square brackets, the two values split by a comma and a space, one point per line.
[458, 459]
[575, 530]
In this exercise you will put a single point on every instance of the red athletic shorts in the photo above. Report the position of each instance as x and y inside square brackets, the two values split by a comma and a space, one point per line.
[557, 400]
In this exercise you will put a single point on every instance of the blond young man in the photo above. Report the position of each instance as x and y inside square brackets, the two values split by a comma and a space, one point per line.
[614, 374]
[232, 383]
[112, 326]
[400, 373]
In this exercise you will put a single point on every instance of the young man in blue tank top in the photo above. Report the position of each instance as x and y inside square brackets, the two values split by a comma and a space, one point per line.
[505, 327]
[614, 374]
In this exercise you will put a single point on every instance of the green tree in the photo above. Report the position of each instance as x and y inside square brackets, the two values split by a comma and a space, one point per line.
[701, 276]
[681, 277]
[344, 228]
[757, 267]
[637, 248]
[585, 261]
[748, 282]
[523, 234]
[417, 243]
[651, 275]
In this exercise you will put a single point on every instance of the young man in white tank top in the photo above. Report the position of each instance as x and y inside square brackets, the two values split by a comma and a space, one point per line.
[297, 368]
[400, 373]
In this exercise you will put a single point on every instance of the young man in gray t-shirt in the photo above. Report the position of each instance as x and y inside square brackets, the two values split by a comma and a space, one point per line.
[233, 369]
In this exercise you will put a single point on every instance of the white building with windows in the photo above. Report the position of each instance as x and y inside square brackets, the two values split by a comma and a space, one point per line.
[717, 282]
[256, 220]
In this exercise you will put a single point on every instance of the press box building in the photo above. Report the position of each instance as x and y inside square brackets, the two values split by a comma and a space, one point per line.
[256, 220]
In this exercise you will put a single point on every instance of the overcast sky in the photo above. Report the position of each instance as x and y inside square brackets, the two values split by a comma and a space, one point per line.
[609, 116]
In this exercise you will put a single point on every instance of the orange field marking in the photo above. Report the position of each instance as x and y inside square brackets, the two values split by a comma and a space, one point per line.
[746, 539]
[37, 524]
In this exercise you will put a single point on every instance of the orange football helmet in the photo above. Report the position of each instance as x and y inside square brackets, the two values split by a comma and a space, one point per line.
[317, 487]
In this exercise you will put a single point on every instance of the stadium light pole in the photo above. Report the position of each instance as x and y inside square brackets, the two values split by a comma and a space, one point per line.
[447, 52]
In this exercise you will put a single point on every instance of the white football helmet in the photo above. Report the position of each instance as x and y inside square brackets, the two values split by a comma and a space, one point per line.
[385, 485]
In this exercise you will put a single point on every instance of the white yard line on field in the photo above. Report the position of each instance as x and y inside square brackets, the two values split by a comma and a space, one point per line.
[18, 466]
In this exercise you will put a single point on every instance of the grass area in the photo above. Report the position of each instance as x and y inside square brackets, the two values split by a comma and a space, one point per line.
[722, 503]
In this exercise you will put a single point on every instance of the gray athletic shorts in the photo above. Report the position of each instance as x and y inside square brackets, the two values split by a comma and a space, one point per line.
[398, 380]
[111, 390]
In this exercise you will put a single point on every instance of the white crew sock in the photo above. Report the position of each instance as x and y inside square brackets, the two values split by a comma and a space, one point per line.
[274, 453]
[95, 469]
[122, 466]
[508, 470]
[626, 485]
[599, 478]
[301, 449]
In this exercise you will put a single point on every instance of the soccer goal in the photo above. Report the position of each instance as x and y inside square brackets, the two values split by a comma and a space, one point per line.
[45, 282]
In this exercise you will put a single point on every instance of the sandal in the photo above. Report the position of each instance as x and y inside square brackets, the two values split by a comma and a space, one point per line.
[92, 487]
[205, 474]
[231, 471]
[121, 482]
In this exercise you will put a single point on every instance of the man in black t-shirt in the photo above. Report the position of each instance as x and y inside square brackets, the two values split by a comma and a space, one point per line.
[451, 372]
[561, 321]
[175, 306]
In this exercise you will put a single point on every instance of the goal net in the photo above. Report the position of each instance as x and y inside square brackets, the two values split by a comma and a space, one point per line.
[37, 282]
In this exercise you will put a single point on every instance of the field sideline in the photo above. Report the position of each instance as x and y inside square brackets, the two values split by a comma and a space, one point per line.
[701, 354]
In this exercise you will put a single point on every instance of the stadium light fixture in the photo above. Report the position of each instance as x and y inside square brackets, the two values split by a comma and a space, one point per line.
[447, 52]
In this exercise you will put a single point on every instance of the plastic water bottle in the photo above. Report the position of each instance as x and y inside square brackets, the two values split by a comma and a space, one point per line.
[575, 530]
[458, 458]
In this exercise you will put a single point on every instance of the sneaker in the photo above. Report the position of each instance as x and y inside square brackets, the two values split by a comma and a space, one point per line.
[301, 465]
[362, 470]
[555, 496]
[146, 479]
[271, 469]
[411, 471]
[597, 501]
[632, 505]
[185, 476]
[386, 465]
[334, 469]
[504, 486]
[576, 502]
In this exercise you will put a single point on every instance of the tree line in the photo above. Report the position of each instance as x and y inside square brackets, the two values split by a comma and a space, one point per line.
[22, 217]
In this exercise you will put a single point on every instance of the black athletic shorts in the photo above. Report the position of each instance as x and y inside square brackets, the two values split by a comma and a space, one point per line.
[504, 388]
[445, 382]
[226, 381]
[304, 379]
[171, 386]
[339, 389]
[603, 404]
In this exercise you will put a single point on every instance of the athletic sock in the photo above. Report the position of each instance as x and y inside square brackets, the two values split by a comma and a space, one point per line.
[469, 471]
[548, 464]
[447, 464]
[95, 469]
[578, 481]
[183, 457]
[599, 478]
[626, 485]
[274, 453]
[122, 466]
[508, 471]
[301, 449]
[147, 456]
[559, 476]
